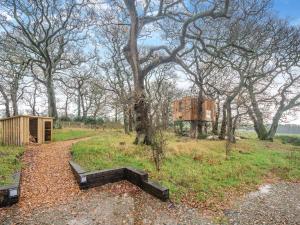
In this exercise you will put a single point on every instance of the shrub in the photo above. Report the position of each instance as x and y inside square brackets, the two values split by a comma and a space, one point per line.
[285, 139]
[89, 120]
[65, 118]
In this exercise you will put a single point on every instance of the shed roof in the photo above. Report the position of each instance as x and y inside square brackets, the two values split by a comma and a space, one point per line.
[30, 116]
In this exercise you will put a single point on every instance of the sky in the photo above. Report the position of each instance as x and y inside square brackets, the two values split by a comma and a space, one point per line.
[285, 9]
[288, 9]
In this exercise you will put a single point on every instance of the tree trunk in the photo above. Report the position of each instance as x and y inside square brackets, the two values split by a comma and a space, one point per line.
[116, 114]
[194, 129]
[7, 111]
[84, 107]
[224, 124]
[78, 103]
[256, 115]
[130, 120]
[235, 122]
[141, 107]
[52, 110]
[14, 104]
[14, 95]
[66, 107]
[274, 125]
[6, 102]
[229, 131]
[215, 128]
[142, 122]
[200, 101]
[33, 106]
[165, 118]
[126, 120]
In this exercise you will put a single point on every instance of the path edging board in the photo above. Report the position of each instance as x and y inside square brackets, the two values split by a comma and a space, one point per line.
[134, 176]
[9, 195]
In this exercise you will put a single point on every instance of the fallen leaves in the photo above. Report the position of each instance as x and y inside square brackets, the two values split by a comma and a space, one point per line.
[46, 178]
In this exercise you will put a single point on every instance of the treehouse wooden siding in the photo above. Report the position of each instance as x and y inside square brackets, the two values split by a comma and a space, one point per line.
[186, 109]
[18, 130]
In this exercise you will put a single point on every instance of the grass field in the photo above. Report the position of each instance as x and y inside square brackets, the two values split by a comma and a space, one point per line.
[72, 133]
[9, 163]
[196, 168]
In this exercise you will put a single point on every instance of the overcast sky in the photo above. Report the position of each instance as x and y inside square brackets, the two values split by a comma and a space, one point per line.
[286, 9]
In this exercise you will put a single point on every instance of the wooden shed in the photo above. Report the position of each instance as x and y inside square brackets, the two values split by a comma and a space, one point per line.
[185, 109]
[21, 130]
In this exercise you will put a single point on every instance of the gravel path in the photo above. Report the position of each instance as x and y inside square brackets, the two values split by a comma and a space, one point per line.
[112, 204]
[50, 195]
[272, 204]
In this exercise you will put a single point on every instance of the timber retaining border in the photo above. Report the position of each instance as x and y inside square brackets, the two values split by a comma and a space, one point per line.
[134, 176]
[10, 194]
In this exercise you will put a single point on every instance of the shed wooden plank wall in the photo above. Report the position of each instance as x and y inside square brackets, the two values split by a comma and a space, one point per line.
[12, 131]
[15, 130]
[41, 129]
[26, 133]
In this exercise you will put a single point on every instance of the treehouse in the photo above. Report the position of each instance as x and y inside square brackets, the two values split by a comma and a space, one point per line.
[20, 130]
[186, 109]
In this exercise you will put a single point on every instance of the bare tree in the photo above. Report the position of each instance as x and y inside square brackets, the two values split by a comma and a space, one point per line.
[30, 97]
[44, 29]
[144, 16]
[161, 91]
[274, 78]
[116, 72]
[14, 66]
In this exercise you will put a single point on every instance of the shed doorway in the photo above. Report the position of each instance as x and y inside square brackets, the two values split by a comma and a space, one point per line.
[33, 130]
[48, 129]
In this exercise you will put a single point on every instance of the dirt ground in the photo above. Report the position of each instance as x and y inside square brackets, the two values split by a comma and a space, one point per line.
[50, 195]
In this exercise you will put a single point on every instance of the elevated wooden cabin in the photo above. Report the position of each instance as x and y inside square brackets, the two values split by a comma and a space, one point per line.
[21, 130]
[186, 109]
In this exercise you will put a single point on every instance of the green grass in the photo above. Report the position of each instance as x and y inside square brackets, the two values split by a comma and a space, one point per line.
[9, 163]
[69, 134]
[191, 166]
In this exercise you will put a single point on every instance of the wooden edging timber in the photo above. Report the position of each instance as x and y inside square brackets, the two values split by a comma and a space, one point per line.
[10, 194]
[101, 177]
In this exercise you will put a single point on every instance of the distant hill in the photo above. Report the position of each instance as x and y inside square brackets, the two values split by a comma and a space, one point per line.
[282, 128]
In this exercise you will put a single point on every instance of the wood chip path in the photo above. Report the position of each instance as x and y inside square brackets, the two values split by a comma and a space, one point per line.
[46, 177]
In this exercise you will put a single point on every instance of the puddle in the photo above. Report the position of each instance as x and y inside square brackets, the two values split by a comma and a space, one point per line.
[263, 190]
